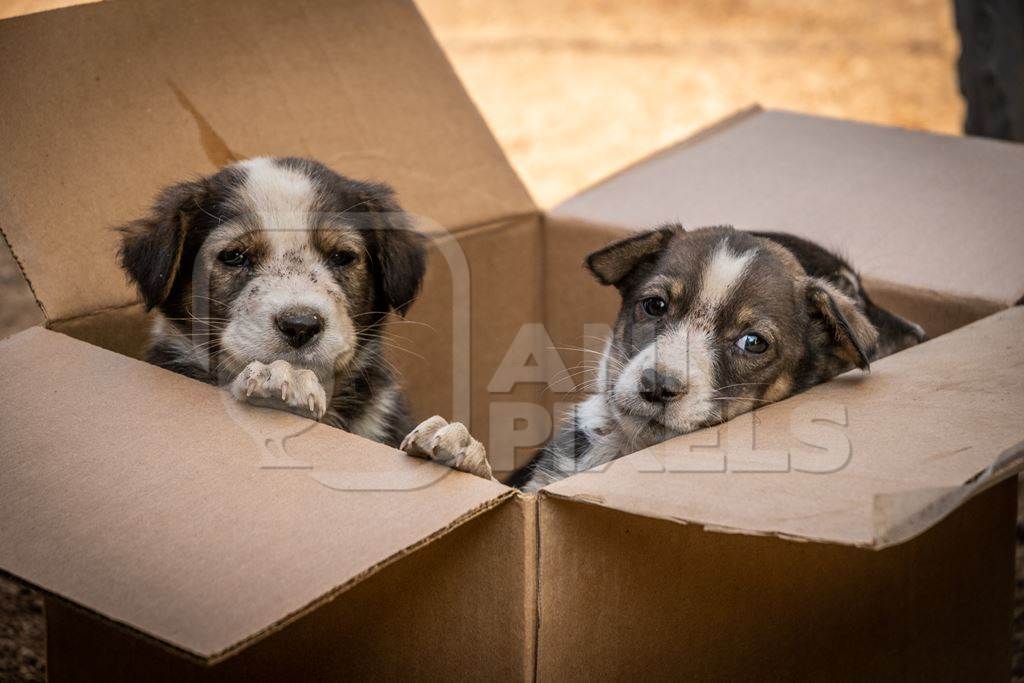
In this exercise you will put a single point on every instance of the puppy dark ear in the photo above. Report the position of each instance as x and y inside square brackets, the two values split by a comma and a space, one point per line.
[151, 248]
[850, 335]
[403, 262]
[894, 332]
[613, 263]
[398, 253]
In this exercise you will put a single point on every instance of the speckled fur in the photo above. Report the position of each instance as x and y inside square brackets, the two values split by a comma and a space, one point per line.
[287, 215]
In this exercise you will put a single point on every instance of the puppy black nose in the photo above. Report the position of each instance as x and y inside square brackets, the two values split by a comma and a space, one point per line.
[657, 387]
[298, 326]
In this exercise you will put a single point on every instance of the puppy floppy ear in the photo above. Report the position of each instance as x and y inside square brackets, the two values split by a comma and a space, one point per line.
[402, 255]
[613, 263]
[850, 336]
[151, 248]
[398, 253]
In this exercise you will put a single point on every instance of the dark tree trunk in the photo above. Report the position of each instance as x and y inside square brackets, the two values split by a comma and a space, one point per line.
[991, 66]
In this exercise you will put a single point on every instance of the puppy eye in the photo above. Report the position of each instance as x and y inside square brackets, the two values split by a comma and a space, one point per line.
[752, 343]
[233, 258]
[339, 259]
[654, 306]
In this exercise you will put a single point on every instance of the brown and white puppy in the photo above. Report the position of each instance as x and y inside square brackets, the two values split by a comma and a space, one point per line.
[274, 277]
[714, 322]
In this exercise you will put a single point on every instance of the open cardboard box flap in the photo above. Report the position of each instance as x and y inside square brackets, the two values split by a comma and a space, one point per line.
[186, 535]
[175, 515]
[934, 223]
[910, 209]
[865, 460]
[137, 502]
[882, 462]
[173, 89]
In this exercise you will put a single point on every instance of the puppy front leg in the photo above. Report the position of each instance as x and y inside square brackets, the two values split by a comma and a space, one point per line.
[282, 386]
[449, 444]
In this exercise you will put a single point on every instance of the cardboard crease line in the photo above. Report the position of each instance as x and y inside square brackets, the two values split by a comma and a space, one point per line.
[21, 269]
[287, 619]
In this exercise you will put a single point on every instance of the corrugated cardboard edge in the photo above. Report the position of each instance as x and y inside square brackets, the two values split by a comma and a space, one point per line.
[901, 517]
[634, 506]
[531, 570]
[701, 134]
[327, 597]
[533, 499]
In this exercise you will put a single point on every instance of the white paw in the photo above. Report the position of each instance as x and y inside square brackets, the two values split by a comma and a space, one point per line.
[448, 444]
[282, 386]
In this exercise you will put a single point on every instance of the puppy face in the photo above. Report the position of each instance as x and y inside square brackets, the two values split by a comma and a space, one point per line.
[715, 322]
[274, 259]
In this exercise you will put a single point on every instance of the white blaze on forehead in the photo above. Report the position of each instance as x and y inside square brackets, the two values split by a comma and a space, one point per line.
[722, 274]
[290, 275]
[281, 198]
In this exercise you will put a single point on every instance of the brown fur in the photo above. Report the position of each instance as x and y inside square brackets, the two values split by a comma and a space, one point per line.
[169, 256]
[714, 288]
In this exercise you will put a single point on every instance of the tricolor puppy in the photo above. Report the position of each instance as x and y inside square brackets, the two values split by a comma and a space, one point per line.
[274, 278]
[714, 322]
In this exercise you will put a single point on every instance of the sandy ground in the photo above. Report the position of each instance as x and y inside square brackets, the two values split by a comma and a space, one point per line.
[575, 90]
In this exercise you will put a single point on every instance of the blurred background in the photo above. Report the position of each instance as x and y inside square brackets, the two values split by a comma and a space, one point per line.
[576, 90]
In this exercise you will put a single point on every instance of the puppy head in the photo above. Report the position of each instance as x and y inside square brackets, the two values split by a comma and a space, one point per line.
[715, 322]
[275, 259]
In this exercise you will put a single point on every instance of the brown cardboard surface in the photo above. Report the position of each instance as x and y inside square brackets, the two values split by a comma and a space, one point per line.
[105, 104]
[623, 596]
[124, 329]
[453, 609]
[925, 430]
[936, 312]
[927, 211]
[139, 494]
[573, 298]
[154, 502]
[482, 287]
[578, 311]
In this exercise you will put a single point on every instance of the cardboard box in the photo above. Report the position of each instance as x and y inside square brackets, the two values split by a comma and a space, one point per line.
[863, 527]
[124, 523]
[892, 562]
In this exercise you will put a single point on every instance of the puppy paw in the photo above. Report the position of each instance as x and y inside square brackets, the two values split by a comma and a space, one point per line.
[449, 444]
[283, 386]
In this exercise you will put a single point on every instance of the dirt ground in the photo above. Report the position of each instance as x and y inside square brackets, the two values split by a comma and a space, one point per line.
[575, 90]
